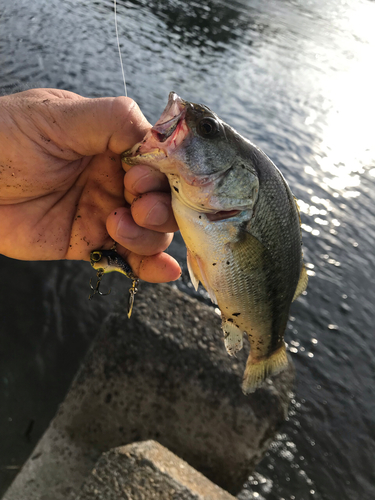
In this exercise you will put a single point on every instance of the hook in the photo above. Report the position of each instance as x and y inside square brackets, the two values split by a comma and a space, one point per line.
[132, 291]
[99, 276]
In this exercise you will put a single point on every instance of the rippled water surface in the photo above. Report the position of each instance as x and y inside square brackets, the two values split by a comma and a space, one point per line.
[296, 78]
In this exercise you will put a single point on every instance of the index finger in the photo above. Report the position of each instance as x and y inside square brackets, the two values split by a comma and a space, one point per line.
[157, 268]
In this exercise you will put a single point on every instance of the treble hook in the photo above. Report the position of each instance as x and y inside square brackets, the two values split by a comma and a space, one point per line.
[99, 276]
[132, 291]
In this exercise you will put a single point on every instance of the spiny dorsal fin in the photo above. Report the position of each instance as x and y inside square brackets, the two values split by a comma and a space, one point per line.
[298, 210]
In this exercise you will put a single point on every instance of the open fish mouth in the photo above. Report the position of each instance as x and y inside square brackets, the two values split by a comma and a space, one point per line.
[171, 118]
[168, 131]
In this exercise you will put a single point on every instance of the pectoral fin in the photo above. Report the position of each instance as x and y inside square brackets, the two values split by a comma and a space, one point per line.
[193, 270]
[198, 274]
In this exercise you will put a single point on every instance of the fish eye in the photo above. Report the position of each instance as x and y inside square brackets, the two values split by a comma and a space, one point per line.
[96, 256]
[208, 127]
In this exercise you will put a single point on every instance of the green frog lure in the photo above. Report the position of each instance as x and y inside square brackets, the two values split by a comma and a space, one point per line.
[108, 261]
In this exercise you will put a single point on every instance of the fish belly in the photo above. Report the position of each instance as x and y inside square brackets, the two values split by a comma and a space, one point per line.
[217, 261]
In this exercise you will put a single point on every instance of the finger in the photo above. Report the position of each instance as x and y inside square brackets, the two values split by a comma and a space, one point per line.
[154, 211]
[142, 179]
[129, 197]
[91, 126]
[123, 229]
[159, 268]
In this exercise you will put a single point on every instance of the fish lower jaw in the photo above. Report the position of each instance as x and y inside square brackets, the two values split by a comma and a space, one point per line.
[147, 157]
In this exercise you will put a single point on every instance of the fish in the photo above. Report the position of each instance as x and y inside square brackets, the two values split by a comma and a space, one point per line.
[241, 226]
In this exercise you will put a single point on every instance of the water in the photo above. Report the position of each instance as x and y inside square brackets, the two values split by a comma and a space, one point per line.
[295, 77]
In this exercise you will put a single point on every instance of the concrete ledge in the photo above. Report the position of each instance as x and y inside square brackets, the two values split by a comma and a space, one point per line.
[146, 470]
[163, 375]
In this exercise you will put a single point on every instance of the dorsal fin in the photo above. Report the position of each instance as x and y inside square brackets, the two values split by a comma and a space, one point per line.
[302, 282]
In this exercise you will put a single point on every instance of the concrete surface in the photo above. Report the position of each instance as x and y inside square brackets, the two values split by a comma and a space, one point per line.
[145, 471]
[163, 375]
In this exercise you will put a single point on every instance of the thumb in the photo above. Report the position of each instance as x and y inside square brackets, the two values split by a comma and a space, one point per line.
[91, 126]
[106, 123]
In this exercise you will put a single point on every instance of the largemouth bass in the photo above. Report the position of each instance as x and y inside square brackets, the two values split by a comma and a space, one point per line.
[240, 223]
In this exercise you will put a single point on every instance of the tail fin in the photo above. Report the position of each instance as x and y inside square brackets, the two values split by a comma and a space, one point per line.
[256, 371]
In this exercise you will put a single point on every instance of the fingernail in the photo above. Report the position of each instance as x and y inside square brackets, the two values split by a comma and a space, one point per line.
[142, 182]
[158, 215]
[124, 227]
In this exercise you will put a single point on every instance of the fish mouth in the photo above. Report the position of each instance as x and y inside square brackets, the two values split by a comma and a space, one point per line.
[222, 215]
[171, 118]
[168, 132]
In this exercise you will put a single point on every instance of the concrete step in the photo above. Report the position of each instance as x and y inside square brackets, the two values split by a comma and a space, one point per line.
[145, 471]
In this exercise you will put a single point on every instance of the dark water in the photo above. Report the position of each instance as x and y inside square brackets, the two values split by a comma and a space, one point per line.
[295, 77]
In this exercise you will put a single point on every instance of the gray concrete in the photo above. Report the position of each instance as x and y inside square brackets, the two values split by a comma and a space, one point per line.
[162, 375]
[145, 471]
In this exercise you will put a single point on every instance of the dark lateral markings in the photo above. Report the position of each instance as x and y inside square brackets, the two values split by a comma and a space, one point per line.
[176, 189]
[236, 314]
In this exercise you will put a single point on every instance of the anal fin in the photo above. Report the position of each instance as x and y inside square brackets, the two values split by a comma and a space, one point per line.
[233, 337]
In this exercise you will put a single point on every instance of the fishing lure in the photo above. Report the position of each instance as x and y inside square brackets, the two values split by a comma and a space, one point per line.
[108, 261]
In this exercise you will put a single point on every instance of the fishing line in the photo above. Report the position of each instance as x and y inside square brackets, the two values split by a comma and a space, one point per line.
[119, 50]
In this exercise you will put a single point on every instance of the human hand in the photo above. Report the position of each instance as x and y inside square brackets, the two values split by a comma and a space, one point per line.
[61, 179]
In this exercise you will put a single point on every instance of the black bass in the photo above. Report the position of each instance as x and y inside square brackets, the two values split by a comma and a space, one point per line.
[240, 223]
